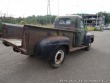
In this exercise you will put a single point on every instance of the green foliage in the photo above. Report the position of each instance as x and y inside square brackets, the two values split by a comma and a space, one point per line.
[8, 19]
[90, 28]
[35, 20]
[95, 29]
[31, 19]
[48, 19]
[43, 20]
[18, 20]
[22, 22]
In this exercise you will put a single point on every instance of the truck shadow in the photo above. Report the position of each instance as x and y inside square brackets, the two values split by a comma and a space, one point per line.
[35, 67]
[77, 53]
[36, 62]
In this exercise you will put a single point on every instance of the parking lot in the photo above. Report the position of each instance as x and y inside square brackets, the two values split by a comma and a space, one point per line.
[79, 67]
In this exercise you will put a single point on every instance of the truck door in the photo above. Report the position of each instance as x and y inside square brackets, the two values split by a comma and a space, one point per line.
[80, 33]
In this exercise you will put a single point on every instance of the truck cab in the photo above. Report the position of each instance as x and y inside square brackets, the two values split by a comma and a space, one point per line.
[74, 23]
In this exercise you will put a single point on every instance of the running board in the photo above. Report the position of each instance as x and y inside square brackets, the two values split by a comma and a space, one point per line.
[77, 48]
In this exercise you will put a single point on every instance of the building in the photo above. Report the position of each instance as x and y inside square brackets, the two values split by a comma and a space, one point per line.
[93, 19]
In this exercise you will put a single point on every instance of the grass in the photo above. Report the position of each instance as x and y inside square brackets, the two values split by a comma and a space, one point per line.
[89, 28]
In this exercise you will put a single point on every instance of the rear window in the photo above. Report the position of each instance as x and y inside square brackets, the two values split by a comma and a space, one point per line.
[64, 21]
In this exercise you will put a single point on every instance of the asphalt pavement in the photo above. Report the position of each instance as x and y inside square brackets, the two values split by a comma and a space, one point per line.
[79, 67]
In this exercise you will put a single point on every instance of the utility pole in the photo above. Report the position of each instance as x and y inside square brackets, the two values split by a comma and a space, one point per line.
[48, 12]
[7, 8]
[58, 7]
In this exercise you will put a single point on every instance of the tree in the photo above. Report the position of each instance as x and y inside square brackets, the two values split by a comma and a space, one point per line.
[107, 16]
[31, 19]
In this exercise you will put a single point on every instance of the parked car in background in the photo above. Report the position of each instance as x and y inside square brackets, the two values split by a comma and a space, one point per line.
[106, 27]
[97, 27]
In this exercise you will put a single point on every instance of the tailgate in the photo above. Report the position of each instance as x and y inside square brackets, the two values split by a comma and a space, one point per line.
[16, 44]
[13, 42]
[12, 31]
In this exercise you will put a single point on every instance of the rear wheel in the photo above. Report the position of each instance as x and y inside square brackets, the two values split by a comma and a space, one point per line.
[15, 50]
[58, 58]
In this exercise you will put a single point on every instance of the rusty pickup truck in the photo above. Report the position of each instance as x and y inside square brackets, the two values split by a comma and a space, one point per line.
[69, 34]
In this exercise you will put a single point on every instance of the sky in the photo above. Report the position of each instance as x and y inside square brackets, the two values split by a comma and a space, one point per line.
[24, 8]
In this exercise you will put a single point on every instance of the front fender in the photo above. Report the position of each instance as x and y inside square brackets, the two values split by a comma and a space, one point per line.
[47, 46]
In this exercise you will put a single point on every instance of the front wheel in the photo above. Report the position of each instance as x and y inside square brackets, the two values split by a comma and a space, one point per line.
[88, 47]
[57, 58]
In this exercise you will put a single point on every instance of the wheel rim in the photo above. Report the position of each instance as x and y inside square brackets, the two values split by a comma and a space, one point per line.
[59, 57]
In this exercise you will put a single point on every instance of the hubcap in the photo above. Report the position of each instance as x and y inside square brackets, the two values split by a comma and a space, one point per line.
[59, 56]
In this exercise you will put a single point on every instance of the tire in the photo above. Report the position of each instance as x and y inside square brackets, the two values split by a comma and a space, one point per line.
[15, 50]
[57, 58]
[5, 44]
[88, 47]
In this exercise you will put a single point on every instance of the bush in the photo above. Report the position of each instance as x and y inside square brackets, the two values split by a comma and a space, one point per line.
[95, 29]
[22, 22]
[90, 28]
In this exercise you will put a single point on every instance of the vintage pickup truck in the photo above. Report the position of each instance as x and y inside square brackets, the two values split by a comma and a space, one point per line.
[69, 34]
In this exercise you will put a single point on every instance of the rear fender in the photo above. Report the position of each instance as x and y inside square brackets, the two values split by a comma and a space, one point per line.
[46, 47]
